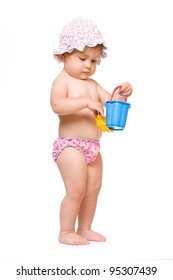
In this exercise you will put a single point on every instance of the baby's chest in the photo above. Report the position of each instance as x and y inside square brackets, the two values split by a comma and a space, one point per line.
[83, 91]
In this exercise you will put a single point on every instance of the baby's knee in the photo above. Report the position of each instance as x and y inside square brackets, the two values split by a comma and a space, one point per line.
[94, 189]
[97, 188]
[77, 194]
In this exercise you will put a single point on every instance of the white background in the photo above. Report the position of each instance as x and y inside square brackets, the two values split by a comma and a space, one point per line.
[135, 205]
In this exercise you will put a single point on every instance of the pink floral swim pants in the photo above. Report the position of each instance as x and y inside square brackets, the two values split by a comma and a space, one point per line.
[88, 147]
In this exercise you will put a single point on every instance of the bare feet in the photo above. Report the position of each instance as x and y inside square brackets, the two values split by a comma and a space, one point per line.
[72, 239]
[92, 235]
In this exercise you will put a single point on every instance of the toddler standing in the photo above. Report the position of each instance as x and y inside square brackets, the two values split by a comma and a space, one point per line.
[77, 99]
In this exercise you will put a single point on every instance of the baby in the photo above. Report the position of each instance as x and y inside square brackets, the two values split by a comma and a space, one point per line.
[77, 99]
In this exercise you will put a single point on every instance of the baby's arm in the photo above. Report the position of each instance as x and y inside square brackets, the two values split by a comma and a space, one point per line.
[120, 94]
[64, 105]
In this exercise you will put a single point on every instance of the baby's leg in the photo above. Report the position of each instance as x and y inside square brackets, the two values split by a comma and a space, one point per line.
[73, 168]
[89, 203]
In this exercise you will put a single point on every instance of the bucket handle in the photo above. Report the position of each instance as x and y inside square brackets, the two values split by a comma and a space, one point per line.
[115, 89]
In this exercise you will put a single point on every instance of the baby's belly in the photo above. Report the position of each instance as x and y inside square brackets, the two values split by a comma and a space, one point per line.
[79, 125]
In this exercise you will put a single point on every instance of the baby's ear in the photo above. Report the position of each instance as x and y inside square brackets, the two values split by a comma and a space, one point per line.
[62, 56]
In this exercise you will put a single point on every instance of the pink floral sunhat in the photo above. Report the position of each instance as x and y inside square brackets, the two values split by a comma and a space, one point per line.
[77, 34]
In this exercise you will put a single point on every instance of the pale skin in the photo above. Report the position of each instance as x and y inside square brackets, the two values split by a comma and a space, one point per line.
[77, 99]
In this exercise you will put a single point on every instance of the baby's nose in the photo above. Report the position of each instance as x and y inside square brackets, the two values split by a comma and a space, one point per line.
[88, 64]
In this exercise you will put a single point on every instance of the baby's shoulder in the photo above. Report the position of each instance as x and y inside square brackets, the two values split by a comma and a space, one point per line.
[92, 82]
[60, 79]
[59, 85]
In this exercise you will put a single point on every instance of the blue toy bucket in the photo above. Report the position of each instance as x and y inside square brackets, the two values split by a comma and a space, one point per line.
[116, 113]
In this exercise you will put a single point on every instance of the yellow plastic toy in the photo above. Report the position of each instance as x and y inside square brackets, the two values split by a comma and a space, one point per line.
[101, 121]
[101, 124]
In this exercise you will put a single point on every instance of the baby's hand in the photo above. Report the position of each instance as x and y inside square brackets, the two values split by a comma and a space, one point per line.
[96, 107]
[126, 90]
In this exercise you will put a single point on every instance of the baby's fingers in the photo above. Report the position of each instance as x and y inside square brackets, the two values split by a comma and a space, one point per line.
[126, 90]
[100, 111]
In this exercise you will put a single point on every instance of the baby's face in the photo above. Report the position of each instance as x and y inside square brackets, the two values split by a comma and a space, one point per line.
[82, 65]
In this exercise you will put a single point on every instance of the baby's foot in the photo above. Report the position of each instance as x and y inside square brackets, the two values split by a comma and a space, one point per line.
[72, 238]
[91, 235]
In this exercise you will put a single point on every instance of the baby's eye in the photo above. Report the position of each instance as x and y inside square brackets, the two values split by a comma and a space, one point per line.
[83, 59]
